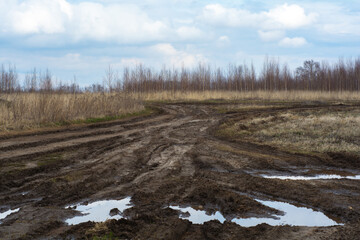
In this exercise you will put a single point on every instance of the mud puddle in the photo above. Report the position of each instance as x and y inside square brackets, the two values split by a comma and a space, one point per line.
[100, 211]
[7, 213]
[198, 216]
[293, 215]
[316, 177]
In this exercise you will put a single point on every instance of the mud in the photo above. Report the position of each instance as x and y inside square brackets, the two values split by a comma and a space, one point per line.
[173, 158]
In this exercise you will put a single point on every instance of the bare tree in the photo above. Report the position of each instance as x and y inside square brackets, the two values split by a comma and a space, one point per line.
[46, 82]
[109, 78]
[308, 73]
[117, 84]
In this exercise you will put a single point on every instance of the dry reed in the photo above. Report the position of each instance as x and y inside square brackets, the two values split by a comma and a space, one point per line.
[31, 110]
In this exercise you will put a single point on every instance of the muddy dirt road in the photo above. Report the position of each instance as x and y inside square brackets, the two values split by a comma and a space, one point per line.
[169, 159]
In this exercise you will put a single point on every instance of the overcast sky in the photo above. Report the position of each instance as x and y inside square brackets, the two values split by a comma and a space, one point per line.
[83, 37]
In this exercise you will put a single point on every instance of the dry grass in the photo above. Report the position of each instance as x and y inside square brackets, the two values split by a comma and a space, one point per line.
[26, 111]
[255, 95]
[330, 132]
[99, 229]
[305, 132]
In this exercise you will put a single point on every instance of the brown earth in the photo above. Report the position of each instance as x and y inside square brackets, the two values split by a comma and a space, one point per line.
[171, 158]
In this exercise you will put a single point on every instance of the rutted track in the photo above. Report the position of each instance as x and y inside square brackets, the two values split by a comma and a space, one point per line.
[171, 158]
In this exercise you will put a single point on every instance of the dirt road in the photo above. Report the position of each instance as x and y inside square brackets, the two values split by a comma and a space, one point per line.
[170, 158]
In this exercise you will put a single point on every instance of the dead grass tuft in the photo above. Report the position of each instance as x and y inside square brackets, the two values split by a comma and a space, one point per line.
[99, 228]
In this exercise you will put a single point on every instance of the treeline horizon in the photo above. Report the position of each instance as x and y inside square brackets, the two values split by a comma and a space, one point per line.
[343, 75]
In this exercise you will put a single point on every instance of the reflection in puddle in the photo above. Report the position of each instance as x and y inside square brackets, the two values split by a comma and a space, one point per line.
[297, 216]
[99, 211]
[198, 216]
[7, 213]
[321, 176]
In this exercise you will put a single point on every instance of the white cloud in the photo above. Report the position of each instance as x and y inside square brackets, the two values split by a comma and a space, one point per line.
[293, 42]
[177, 58]
[39, 16]
[281, 17]
[216, 14]
[122, 23]
[271, 35]
[335, 19]
[288, 17]
[165, 49]
[271, 25]
[223, 41]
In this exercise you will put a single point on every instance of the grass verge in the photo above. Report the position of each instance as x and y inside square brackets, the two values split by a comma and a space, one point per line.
[307, 132]
[147, 111]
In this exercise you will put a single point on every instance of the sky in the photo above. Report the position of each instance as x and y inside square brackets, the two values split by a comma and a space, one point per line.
[82, 38]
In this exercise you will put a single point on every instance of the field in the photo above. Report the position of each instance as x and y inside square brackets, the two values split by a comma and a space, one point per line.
[216, 152]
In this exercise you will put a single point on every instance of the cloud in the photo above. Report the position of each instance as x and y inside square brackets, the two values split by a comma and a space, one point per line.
[268, 36]
[293, 42]
[271, 25]
[217, 14]
[39, 16]
[223, 41]
[288, 17]
[175, 57]
[337, 20]
[121, 23]
[165, 49]
[281, 17]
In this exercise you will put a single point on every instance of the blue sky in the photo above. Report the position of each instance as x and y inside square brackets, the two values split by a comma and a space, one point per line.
[83, 37]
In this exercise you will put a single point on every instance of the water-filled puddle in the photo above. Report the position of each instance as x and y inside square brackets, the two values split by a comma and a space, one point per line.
[296, 216]
[7, 213]
[100, 211]
[198, 216]
[317, 177]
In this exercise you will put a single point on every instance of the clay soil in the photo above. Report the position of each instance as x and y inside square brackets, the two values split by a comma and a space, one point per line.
[173, 157]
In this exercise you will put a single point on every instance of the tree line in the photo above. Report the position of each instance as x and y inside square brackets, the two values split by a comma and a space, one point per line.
[344, 75]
